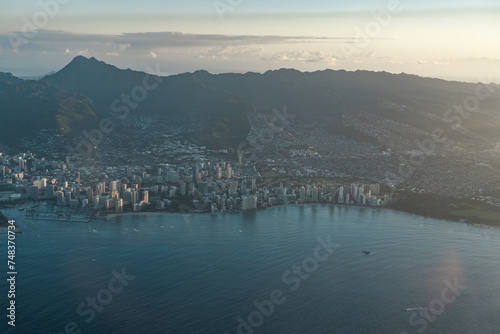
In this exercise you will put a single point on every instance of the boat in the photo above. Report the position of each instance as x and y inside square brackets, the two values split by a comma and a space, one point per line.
[411, 309]
[366, 251]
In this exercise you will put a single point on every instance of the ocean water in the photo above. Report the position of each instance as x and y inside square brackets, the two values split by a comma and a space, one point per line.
[295, 269]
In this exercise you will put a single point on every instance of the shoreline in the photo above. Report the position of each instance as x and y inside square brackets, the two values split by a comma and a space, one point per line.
[116, 215]
[472, 221]
[150, 213]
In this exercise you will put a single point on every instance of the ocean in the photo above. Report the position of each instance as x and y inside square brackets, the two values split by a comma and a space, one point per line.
[294, 269]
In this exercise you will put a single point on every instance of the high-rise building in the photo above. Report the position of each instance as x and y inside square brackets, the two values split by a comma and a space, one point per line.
[195, 174]
[354, 190]
[102, 201]
[341, 195]
[95, 201]
[361, 190]
[90, 194]
[248, 203]
[113, 186]
[134, 196]
[123, 189]
[119, 205]
[145, 196]
[315, 194]
[60, 198]
[101, 188]
[67, 197]
[50, 191]
[362, 199]
[108, 204]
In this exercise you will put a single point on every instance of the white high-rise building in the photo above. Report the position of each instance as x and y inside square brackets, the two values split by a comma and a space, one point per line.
[145, 196]
[315, 194]
[113, 186]
[248, 203]
[341, 195]
[119, 205]
[101, 188]
[354, 190]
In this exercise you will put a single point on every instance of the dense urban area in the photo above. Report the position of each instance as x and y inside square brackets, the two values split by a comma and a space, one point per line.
[203, 186]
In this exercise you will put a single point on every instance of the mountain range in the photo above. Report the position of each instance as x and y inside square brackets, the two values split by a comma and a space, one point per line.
[343, 103]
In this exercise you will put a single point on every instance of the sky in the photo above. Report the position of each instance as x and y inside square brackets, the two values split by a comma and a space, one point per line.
[453, 40]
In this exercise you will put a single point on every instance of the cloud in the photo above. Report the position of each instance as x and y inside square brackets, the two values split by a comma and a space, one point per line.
[176, 45]
[303, 56]
[432, 62]
[179, 52]
[229, 52]
[53, 40]
[77, 52]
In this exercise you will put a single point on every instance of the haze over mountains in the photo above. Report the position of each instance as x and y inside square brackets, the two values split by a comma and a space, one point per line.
[343, 103]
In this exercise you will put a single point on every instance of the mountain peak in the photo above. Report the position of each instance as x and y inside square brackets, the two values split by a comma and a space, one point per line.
[81, 60]
[8, 77]
[82, 66]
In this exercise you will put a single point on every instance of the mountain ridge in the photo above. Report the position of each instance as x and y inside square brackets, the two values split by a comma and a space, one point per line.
[221, 102]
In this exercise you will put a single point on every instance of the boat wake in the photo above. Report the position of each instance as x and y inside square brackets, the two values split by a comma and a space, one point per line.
[412, 309]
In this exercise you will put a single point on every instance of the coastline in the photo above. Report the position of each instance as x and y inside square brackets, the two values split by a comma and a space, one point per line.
[116, 215]
[147, 213]
[413, 204]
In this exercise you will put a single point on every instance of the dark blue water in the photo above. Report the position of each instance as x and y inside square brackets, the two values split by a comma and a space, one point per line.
[202, 274]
